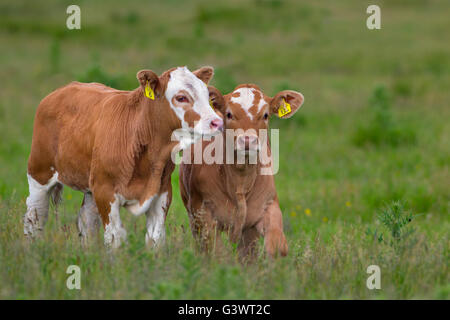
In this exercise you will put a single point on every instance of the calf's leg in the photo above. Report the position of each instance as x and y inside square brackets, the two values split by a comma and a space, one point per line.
[156, 217]
[88, 220]
[275, 243]
[204, 227]
[247, 245]
[271, 227]
[38, 204]
[108, 205]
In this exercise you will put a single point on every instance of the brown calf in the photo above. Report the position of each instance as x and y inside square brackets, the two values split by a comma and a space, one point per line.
[237, 198]
[115, 147]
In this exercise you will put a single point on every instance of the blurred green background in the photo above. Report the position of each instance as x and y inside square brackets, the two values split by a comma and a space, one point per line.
[374, 130]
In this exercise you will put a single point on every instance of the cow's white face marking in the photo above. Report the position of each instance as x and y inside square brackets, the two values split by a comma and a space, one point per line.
[183, 80]
[261, 103]
[114, 231]
[156, 231]
[246, 100]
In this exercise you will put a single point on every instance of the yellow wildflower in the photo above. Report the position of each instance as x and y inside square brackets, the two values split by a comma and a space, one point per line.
[308, 212]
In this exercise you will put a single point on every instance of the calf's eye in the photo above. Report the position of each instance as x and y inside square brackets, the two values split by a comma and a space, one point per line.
[266, 116]
[181, 99]
[229, 115]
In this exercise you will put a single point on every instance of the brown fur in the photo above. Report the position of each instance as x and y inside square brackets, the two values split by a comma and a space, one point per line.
[107, 141]
[236, 198]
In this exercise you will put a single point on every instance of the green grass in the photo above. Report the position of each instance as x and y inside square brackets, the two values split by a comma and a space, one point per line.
[373, 134]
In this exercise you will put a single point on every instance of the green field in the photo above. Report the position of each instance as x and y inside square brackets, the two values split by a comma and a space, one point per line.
[374, 131]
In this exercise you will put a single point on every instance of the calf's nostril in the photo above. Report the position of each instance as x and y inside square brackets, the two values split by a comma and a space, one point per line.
[216, 124]
[247, 142]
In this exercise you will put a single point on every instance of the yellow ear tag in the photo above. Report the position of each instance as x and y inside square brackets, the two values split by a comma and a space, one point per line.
[149, 92]
[211, 103]
[284, 109]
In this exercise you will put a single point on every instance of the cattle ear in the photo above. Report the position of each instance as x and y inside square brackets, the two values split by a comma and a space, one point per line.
[286, 103]
[216, 100]
[149, 77]
[205, 74]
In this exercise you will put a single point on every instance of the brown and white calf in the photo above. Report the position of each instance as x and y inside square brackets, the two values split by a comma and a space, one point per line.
[115, 146]
[237, 198]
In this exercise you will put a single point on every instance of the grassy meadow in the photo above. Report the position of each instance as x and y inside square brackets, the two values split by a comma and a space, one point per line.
[364, 165]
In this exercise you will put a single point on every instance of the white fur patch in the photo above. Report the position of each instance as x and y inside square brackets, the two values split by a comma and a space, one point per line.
[155, 209]
[183, 79]
[261, 103]
[36, 187]
[114, 231]
[136, 208]
[37, 204]
[245, 99]
[156, 232]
